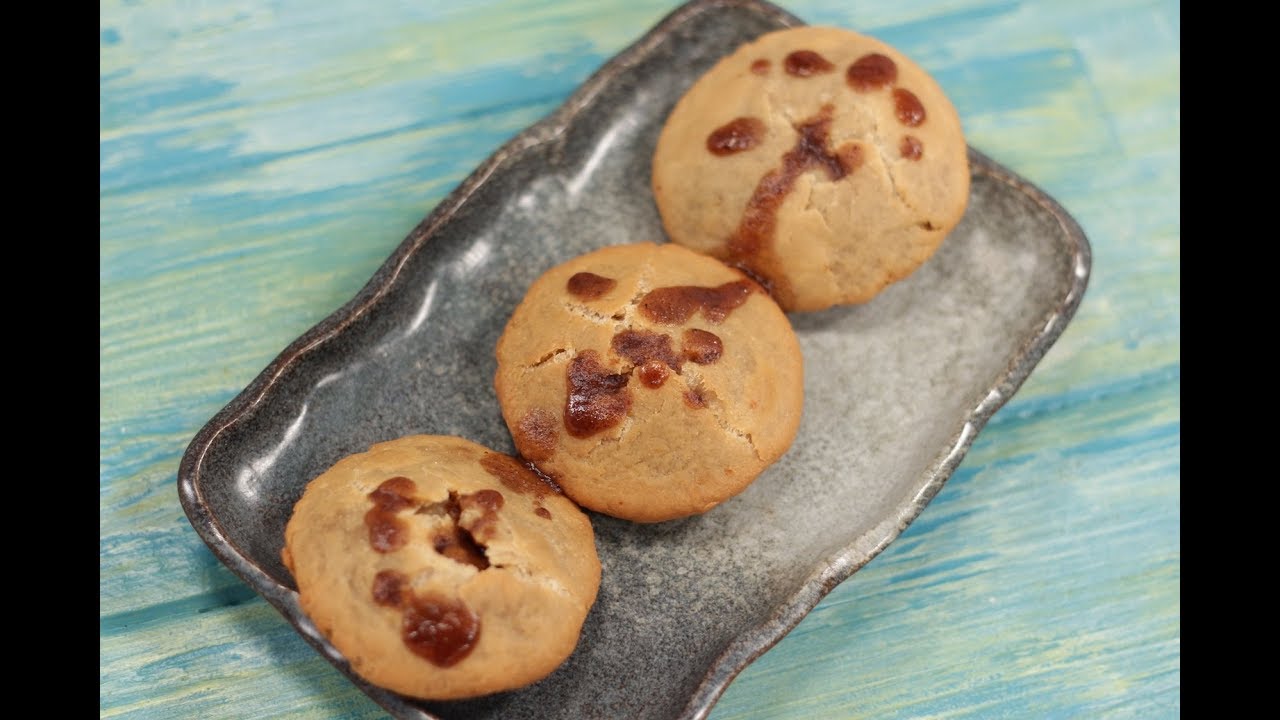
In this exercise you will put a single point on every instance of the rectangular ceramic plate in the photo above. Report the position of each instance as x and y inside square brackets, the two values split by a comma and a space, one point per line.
[895, 391]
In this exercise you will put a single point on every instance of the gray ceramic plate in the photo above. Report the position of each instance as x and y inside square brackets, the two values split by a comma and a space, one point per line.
[895, 391]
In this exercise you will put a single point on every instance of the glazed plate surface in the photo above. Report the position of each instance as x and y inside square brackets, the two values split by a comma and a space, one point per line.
[895, 391]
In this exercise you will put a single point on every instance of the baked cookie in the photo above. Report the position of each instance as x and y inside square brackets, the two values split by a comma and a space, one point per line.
[441, 569]
[649, 381]
[822, 162]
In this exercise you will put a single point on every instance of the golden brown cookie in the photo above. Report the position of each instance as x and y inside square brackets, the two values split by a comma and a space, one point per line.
[821, 161]
[649, 381]
[441, 569]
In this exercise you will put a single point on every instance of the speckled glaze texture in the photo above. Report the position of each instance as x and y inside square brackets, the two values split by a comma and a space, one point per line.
[895, 391]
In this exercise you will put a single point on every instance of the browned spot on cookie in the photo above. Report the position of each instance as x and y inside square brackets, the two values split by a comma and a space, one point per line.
[388, 587]
[440, 630]
[653, 374]
[650, 352]
[850, 155]
[759, 221]
[386, 531]
[675, 305]
[589, 286]
[735, 136]
[911, 147]
[702, 347]
[488, 501]
[640, 346]
[805, 63]
[394, 494]
[522, 479]
[598, 399]
[760, 67]
[536, 434]
[694, 398]
[871, 72]
[907, 107]
[519, 478]
[811, 149]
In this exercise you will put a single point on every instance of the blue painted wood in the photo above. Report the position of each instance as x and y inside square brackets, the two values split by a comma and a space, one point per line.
[259, 160]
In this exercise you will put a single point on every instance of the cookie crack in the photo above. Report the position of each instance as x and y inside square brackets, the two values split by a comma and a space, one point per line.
[625, 318]
[626, 424]
[525, 574]
[893, 181]
[770, 102]
[743, 436]
[643, 283]
[692, 381]
[827, 264]
[452, 536]
[587, 313]
[878, 141]
[546, 358]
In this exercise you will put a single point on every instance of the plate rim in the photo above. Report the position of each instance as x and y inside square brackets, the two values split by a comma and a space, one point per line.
[750, 645]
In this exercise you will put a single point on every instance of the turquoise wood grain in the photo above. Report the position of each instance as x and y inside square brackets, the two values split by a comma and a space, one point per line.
[259, 160]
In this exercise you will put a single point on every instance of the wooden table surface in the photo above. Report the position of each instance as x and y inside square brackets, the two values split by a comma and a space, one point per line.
[259, 160]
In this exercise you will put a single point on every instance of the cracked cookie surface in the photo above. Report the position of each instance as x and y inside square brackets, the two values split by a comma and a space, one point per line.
[650, 382]
[441, 569]
[822, 162]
